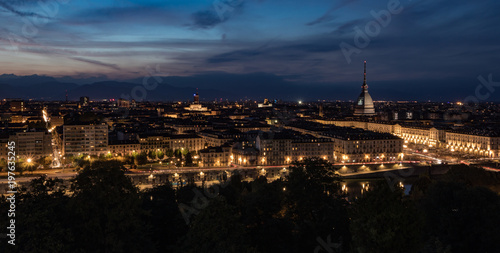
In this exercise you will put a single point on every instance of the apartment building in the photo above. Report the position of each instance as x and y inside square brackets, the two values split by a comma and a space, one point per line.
[479, 142]
[85, 139]
[124, 147]
[32, 144]
[191, 142]
[149, 143]
[354, 144]
[215, 156]
[286, 146]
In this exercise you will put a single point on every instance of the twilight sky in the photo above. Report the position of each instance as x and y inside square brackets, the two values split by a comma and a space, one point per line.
[439, 44]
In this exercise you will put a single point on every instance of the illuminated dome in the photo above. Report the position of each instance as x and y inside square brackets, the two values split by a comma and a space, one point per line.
[364, 104]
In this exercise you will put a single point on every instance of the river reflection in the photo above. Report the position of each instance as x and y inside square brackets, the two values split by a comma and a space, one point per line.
[355, 188]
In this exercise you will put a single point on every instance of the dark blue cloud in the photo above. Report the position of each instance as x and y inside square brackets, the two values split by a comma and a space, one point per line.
[98, 63]
[14, 8]
[328, 16]
[206, 19]
[219, 12]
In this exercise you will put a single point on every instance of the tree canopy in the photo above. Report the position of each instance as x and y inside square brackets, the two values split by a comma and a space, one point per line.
[101, 210]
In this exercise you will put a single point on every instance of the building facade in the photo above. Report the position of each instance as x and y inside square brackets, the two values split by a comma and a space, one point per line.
[85, 139]
[190, 142]
[281, 148]
[355, 144]
[366, 150]
[123, 148]
[480, 143]
[215, 156]
[154, 143]
[32, 144]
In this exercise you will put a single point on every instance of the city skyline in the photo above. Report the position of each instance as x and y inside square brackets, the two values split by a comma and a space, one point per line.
[416, 50]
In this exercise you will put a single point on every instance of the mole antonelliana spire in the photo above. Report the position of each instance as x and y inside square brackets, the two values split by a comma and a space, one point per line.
[364, 104]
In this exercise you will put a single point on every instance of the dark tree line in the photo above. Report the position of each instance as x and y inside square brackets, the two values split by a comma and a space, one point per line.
[100, 210]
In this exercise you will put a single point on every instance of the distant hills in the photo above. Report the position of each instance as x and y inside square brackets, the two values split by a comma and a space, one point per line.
[50, 88]
[217, 85]
[171, 88]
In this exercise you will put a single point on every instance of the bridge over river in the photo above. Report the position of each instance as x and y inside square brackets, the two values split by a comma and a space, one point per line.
[147, 178]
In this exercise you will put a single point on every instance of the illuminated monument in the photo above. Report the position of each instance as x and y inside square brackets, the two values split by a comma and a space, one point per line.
[364, 104]
[196, 106]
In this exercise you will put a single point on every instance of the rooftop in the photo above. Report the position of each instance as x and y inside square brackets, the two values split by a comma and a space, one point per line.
[343, 133]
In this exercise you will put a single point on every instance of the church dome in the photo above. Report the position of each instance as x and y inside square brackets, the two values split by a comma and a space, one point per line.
[364, 104]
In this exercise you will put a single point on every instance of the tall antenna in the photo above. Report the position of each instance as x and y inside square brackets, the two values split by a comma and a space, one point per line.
[66, 95]
[365, 86]
[364, 80]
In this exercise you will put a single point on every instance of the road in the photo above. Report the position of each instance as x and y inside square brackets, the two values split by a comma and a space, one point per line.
[348, 169]
[69, 173]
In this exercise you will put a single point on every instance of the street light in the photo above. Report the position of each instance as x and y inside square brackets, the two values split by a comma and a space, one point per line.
[90, 161]
[29, 164]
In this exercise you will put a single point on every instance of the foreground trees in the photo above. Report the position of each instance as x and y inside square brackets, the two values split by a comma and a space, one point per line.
[107, 211]
[41, 218]
[217, 229]
[100, 210]
[461, 219]
[383, 220]
[163, 218]
[313, 203]
[103, 214]
[452, 215]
